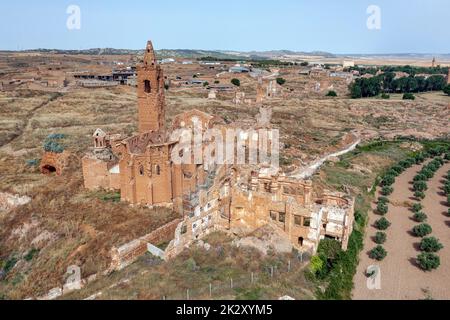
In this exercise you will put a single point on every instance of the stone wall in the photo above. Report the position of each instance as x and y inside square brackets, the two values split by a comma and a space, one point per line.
[131, 251]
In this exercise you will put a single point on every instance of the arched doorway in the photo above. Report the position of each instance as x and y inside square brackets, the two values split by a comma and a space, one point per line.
[48, 169]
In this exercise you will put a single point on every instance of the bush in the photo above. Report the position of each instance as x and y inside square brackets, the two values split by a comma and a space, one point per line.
[420, 217]
[385, 96]
[420, 177]
[419, 195]
[422, 230]
[383, 199]
[430, 244]
[31, 254]
[380, 237]
[382, 208]
[378, 253]
[409, 96]
[417, 207]
[382, 224]
[236, 82]
[428, 261]
[388, 180]
[386, 190]
[447, 89]
[420, 186]
[331, 93]
[281, 81]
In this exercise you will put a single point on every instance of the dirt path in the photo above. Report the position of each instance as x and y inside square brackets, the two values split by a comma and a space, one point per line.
[401, 279]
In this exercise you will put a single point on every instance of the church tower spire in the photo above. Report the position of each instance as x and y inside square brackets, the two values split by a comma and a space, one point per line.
[151, 100]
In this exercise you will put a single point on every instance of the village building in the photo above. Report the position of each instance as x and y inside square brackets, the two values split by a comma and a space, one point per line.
[231, 197]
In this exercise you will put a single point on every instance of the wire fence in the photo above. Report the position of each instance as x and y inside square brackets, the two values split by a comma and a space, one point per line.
[220, 289]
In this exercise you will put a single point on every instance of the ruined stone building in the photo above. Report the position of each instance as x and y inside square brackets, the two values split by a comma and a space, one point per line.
[236, 198]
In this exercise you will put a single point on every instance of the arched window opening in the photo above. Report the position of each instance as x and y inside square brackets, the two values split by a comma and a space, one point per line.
[147, 86]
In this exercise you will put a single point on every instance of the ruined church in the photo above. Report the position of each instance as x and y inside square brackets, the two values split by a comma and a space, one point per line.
[233, 198]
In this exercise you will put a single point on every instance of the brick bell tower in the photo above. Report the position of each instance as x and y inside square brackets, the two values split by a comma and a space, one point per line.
[151, 101]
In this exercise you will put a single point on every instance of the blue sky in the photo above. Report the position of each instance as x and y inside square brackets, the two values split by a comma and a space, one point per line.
[407, 26]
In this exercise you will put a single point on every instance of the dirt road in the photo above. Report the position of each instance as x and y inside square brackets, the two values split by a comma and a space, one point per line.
[401, 279]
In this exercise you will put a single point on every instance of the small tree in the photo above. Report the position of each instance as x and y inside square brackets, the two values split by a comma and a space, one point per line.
[383, 199]
[380, 237]
[430, 244]
[382, 224]
[331, 93]
[281, 81]
[382, 208]
[386, 191]
[447, 89]
[420, 217]
[428, 261]
[417, 207]
[378, 253]
[236, 82]
[206, 83]
[409, 96]
[420, 186]
[422, 230]
[419, 195]
[385, 96]
[388, 180]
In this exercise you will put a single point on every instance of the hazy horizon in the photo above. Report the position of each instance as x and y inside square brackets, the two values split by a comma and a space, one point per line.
[405, 26]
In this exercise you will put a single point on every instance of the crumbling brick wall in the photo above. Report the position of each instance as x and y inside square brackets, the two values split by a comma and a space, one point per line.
[54, 162]
[131, 251]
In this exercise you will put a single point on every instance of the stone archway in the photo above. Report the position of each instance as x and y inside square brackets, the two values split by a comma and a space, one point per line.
[48, 169]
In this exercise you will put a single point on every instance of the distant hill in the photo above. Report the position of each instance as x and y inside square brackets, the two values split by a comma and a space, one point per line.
[186, 53]
[233, 55]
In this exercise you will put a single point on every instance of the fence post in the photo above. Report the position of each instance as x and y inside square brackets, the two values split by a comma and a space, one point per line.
[253, 279]
[187, 294]
[210, 290]
[271, 272]
[231, 281]
[289, 266]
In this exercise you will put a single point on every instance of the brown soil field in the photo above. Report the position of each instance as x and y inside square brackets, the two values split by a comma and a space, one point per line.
[401, 278]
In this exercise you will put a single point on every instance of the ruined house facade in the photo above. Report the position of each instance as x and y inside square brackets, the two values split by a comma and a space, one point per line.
[237, 198]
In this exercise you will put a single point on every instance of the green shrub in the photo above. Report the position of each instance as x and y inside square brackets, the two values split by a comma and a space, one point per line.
[382, 224]
[378, 253]
[420, 177]
[281, 81]
[380, 237]
[236, 82]
[428, 261]
[430, 244]
[386, 191]
[316, 264]
[31, 254]
[420, 217]
[388, 180]
[409, 96]
[382, 208]
[383, 199]
[422, 230]
[385, 96]
[419, 195]
[9, 264]
[420, 186]
[331, 93]
[417, 207]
